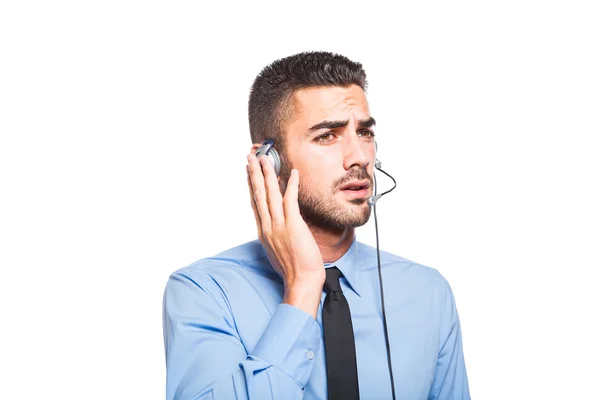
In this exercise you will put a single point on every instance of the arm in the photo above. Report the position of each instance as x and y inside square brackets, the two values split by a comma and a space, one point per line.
[289, 243]
[205, 357]
[450, 381]
[207, 360]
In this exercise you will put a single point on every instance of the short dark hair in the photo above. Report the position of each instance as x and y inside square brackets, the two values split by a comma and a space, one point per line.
[271, 103]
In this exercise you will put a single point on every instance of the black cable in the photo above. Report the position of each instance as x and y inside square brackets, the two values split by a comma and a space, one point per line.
[391, 177]
[385, 330]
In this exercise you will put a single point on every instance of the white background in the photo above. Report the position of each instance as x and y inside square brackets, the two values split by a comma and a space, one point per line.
[122, 158]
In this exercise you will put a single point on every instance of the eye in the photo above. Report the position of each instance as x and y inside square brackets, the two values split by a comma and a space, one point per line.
[367, 133]
[324, 138]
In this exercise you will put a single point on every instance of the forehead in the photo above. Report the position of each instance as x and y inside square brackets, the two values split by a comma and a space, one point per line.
[313, 105]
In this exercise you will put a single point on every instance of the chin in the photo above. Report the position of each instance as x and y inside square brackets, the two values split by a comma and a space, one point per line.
[332, 213]
[357, 214]
[358, 202]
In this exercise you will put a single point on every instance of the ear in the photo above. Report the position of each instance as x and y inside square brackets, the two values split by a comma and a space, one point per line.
[255, 147]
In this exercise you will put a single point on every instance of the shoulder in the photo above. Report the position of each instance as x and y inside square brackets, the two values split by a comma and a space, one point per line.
[401, 268]
[249, 257]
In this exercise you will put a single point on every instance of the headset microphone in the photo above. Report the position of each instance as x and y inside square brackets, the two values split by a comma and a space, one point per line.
[373, 199]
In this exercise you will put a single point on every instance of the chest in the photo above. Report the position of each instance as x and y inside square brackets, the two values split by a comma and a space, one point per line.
[413, 331]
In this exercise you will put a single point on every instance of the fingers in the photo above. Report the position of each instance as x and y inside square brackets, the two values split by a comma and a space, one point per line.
[259, 193]
[253, 204]
[274, 198]
[290, 200]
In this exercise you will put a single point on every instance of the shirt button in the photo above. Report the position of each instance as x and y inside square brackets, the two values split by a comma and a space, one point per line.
[310, 355]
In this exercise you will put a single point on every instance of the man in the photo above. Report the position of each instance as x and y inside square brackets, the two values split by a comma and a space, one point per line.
[255, 322]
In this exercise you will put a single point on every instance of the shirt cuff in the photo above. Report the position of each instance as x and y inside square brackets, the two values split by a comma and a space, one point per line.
[290, 342]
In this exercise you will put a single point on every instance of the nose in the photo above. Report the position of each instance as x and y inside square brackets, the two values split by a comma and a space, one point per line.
[356, 152]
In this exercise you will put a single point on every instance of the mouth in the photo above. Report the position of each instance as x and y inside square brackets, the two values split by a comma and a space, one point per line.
[356, 189]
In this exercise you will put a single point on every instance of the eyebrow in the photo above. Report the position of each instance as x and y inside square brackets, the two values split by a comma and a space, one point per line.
[365, 123]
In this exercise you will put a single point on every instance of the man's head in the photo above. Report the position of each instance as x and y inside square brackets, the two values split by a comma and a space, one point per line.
[313, 105]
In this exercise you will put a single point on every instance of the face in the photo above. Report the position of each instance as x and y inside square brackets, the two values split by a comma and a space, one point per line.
[331, 143]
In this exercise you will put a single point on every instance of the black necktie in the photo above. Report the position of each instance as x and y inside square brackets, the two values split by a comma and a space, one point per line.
[342, 376]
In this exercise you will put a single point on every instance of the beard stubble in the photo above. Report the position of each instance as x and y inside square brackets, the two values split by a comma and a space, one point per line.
[322, 211]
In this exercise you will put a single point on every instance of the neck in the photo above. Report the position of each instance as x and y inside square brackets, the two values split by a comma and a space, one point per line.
[332, 243]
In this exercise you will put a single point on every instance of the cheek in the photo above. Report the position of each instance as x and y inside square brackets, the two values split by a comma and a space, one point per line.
[317, 178]
[318, 170]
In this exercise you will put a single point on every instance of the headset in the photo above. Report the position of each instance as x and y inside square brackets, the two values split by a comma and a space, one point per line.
[268, 150]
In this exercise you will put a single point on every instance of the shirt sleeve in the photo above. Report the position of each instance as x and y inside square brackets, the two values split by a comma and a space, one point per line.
[450, 381]
[206, 359]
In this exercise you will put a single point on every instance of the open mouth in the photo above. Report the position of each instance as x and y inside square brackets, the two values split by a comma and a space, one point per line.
[356, 185]
[357, 188]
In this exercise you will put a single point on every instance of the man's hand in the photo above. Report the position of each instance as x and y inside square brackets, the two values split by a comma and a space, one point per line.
[290, 245]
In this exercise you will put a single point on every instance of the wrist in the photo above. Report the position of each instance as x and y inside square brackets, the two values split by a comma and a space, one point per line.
[305, 296]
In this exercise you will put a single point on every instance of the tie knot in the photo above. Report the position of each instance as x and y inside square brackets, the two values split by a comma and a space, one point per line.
[332, 280]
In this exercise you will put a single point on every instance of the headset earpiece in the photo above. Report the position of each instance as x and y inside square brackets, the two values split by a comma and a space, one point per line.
[268, 150]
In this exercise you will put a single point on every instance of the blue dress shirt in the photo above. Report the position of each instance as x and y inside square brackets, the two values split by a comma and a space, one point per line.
[228, 335]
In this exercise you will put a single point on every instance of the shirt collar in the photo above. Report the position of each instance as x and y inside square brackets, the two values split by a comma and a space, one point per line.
[349, 266]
